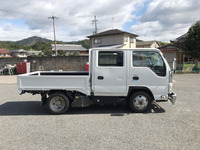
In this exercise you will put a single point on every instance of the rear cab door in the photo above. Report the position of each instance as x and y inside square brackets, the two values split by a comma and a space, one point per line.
[109, 72]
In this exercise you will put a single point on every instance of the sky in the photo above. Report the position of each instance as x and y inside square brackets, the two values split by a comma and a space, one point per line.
[161, 20]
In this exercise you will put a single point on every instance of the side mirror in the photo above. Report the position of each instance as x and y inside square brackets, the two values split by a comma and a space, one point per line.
[174, 65]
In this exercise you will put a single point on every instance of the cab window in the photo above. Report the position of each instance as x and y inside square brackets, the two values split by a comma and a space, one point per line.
[110, 58]
[152, 60]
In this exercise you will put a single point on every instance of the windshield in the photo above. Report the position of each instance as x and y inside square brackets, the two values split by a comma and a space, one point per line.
[152, 60]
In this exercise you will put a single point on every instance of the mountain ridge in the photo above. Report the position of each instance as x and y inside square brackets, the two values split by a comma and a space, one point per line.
[34, 41]
[30, 41]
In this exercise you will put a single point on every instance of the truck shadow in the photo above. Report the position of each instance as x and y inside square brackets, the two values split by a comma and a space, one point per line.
[34, 108]
[22, 108]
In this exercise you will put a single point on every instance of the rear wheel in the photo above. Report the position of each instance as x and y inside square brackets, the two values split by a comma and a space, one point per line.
[140, 102]
[58, 103]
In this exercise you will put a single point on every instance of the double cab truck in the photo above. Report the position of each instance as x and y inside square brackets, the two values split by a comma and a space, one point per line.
[136, 77]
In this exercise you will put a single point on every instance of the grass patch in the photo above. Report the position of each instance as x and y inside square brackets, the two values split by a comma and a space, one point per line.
[188, 67]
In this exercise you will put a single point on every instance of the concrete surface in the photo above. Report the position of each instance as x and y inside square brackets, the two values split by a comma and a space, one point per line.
[24, 124]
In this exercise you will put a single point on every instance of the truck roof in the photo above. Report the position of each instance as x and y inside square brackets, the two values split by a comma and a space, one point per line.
[128, 49]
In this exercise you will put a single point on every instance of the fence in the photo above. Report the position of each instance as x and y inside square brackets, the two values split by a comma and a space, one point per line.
[188, 67]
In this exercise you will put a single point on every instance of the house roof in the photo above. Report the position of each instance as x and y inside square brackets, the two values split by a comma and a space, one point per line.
[168, 47]
[180, 38]
[17, 51]
[111, 32]
[145, 43]
[3, 51]
[68, 47]
[110, 46]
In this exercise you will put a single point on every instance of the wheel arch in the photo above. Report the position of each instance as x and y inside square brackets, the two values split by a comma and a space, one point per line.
[134, 89]
[69, 94]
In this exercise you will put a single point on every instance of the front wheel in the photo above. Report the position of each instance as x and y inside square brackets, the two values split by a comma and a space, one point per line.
[140, 102]
[57, 103]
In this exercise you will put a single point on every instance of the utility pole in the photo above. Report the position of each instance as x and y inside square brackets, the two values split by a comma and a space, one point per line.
[112, 22]
[95, 25]
[54, 31]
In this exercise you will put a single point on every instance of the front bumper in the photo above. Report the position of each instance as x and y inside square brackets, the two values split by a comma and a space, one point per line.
[172, 97]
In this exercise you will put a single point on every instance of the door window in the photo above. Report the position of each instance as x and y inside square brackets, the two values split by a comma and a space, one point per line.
[110, 58]
[152, 60]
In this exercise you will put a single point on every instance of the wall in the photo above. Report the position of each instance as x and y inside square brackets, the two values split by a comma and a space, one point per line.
[12, 61]
[107, 40]
[65, 63]
[117, 39]
[128, 43]
[154, 45]
[169, 56]
[4, 55]
[18, 54]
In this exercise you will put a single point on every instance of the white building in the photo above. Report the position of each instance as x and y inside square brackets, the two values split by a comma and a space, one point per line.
[18, 53]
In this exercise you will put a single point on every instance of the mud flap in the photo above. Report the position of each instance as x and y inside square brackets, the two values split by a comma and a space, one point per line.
[172, 97]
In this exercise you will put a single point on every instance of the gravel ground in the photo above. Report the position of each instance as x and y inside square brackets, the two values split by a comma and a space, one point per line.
[24, 124]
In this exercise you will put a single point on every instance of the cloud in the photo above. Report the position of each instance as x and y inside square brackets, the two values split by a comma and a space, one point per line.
[154, 30]
[166, 20]
[150, 19]
[74, 16]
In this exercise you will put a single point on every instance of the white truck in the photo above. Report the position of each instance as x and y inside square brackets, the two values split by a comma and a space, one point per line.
[134, 76]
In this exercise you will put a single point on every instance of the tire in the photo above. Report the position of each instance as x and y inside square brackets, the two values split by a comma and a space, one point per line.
[58, 103]
[140, 102]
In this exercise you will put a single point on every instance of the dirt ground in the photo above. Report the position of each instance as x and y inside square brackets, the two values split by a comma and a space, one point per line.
[8, 79]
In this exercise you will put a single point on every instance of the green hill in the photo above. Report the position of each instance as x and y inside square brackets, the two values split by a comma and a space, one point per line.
[38, 43]
[31, 41]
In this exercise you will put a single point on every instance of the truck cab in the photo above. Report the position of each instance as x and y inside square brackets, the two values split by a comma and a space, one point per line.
[133, 76]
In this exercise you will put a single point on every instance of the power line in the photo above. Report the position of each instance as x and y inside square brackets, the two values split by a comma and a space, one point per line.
[54, 31]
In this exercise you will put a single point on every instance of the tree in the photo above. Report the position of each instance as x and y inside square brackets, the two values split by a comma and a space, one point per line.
[191, 43]
[85, 43]
[162, 43]
[61, 53]
[74, 54]
[45, 47]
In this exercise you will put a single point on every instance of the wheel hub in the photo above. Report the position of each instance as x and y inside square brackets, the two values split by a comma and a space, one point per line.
[57, 104]
[140, 102]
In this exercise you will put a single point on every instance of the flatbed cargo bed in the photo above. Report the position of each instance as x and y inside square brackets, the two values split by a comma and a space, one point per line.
[54, 80]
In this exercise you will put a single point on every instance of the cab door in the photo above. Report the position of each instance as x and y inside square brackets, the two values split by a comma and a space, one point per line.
[148, 69]
[109, 73]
